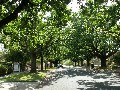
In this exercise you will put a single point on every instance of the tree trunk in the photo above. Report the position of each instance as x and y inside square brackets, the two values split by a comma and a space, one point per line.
[78, 63]
[75, 64]
[103, 62]
[23, 65]
[41, 62]
[45, 66]
[88, 63]
[50, 64]
[33, 62]
[14, 15]
[81, 62]
[41, 52]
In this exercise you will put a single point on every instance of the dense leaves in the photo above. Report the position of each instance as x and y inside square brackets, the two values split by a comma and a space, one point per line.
[44, 29]
[94, 34]
[116, 58]
[32, 27]
[12, 8]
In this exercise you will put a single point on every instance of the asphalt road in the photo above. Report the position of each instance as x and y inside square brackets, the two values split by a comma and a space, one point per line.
[69, 79]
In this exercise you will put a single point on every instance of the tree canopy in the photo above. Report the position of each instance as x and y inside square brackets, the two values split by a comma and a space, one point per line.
[11, 9]
[95, 28]
[46, 29]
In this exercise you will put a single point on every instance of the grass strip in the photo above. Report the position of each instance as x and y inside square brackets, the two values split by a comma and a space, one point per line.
[24, 77]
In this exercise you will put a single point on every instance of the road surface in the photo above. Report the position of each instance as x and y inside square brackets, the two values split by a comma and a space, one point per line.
[69, 79]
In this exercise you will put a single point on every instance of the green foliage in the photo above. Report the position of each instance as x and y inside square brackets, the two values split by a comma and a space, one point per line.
[114, 67]
[92, 36]
[35, 30]
[67, 62]
[15, 7]
[6, 68]
[116, 58]
[99, 1]
[3, 70]
[94, 32]
[15, 56]
[9, 69]
[40, 28]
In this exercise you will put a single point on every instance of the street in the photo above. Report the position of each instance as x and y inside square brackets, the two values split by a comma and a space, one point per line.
[69, 79]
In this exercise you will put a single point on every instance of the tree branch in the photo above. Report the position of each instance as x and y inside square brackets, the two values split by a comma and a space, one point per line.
[14, 15]
[3, 1]
[111, 53]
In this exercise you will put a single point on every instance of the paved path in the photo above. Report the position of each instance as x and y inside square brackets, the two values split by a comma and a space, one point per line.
[69, 79]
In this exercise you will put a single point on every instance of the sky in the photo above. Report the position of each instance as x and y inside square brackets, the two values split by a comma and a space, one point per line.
[75, 7]
[1, 47]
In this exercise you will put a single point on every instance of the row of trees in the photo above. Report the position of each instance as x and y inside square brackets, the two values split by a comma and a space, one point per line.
[47, 30]
[29, 32]
[96, 32]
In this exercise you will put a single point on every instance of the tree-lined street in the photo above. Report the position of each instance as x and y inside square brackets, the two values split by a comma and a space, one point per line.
[39, 36]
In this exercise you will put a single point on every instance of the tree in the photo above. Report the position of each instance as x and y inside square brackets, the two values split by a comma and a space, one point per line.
[95, 30]
[12, 8]
[116, 58]
[44, 30]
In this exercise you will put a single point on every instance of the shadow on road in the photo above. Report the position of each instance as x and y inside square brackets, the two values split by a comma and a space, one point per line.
[97, 81]
[86, 80]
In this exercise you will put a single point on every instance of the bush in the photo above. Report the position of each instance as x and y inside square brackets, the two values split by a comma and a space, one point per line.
[114, 67]
[116, 58]
[3, 70]
[9, 70]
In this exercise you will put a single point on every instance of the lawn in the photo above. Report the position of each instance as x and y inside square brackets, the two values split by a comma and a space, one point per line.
[24, 77]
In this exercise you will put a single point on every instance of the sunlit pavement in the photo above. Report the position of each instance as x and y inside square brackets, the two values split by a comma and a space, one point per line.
[69, 78]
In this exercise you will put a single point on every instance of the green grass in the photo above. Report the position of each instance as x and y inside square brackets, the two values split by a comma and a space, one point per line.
[24, 77]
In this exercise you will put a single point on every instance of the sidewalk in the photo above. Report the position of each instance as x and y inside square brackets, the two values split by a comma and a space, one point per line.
[18, 85]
